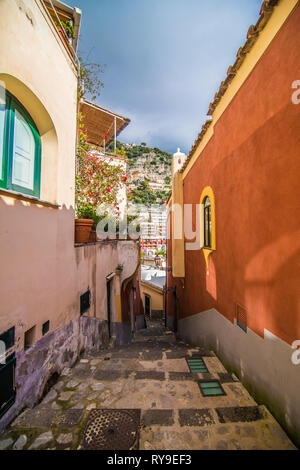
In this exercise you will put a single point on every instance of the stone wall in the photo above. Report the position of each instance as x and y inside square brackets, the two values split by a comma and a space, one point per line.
[49, 356]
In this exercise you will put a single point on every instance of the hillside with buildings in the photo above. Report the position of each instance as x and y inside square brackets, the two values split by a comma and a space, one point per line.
[148, 172]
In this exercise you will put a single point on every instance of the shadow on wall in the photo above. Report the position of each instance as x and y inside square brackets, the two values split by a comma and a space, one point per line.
[32, 241]
[272, 289]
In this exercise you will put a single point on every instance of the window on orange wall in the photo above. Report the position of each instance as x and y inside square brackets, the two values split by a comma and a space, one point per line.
[207, 235]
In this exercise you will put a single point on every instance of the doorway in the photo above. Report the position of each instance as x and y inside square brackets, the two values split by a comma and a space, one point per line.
[175, 310]
[108, 300]
[147, 306]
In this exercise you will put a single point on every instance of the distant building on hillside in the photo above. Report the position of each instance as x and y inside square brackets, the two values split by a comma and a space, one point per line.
[154, 231]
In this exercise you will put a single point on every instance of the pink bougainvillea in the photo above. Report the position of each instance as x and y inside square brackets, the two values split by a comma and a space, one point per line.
[97, 181]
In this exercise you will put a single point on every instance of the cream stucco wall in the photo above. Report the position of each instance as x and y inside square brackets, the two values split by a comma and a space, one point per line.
[156, 295]
[37, 242]
[42, 272]
[37, 69]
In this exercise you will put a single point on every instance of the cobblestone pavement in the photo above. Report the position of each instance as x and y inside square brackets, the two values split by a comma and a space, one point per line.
[153, 376]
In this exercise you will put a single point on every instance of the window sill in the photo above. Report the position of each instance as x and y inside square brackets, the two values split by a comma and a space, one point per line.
[26, 197]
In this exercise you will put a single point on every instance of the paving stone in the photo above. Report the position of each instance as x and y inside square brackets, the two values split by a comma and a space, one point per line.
[95, 362]
[65, 439]
[222, 430]
[201, 435]
[248, 431]
[222, 445]
[162, 417]
[149, 374]
[151, 356]
[277, 432]
[55, 406]
[202, 354]
[107, 375]
[49, 397]
[91, 406]
[20, 442]
[65, 396]
[176, 354]
[235, 444]
[195, 417]
[238, 391]
[41, 441]
[166, 402]
[78, 406]
[70, 418]
[98, 387]
[59, 386]
[208, 376]
[182, 376]
[82, 387]
[226, 377]
[93, 396]
[84, 361]
[72, 384]
[82, 372]
[5, 444]
[37, 417]
[125, 354]
[77, 397]
[239, 414]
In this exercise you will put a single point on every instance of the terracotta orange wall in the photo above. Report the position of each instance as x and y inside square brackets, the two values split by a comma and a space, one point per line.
[252, 164]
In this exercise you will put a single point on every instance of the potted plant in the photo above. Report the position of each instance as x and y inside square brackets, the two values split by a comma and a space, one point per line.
[83, 224]
[119, 269]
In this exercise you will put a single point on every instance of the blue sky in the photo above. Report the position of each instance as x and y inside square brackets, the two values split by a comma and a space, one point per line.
[165, 60]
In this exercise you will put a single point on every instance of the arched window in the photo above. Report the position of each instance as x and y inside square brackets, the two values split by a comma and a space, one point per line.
[20, 147]
[207, 222]
[207, 235]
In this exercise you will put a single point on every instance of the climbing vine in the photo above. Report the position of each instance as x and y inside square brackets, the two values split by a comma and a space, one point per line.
[97, 181]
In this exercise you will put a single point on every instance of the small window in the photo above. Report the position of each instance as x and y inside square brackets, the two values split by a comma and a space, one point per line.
[8, 338]
[207, 223]
[85, 302]
[20, 147]
[211, 388]
[147, 305]
[45, 327]
[7, 380]
[29, 338]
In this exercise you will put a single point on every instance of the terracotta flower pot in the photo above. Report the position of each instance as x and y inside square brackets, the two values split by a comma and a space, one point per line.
[93, 236]
[83, 229]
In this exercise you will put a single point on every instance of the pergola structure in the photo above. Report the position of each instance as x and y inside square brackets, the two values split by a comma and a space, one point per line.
[101, 125]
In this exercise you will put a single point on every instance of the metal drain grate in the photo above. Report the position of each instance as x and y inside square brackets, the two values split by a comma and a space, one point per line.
[211, 388]
[112, 430]
[197, 365]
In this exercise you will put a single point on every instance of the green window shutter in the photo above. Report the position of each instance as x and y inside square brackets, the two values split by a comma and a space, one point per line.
[23, 156]
[20, 147]
[2, 128]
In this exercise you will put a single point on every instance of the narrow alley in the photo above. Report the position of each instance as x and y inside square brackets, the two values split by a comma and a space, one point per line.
[156, 393]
